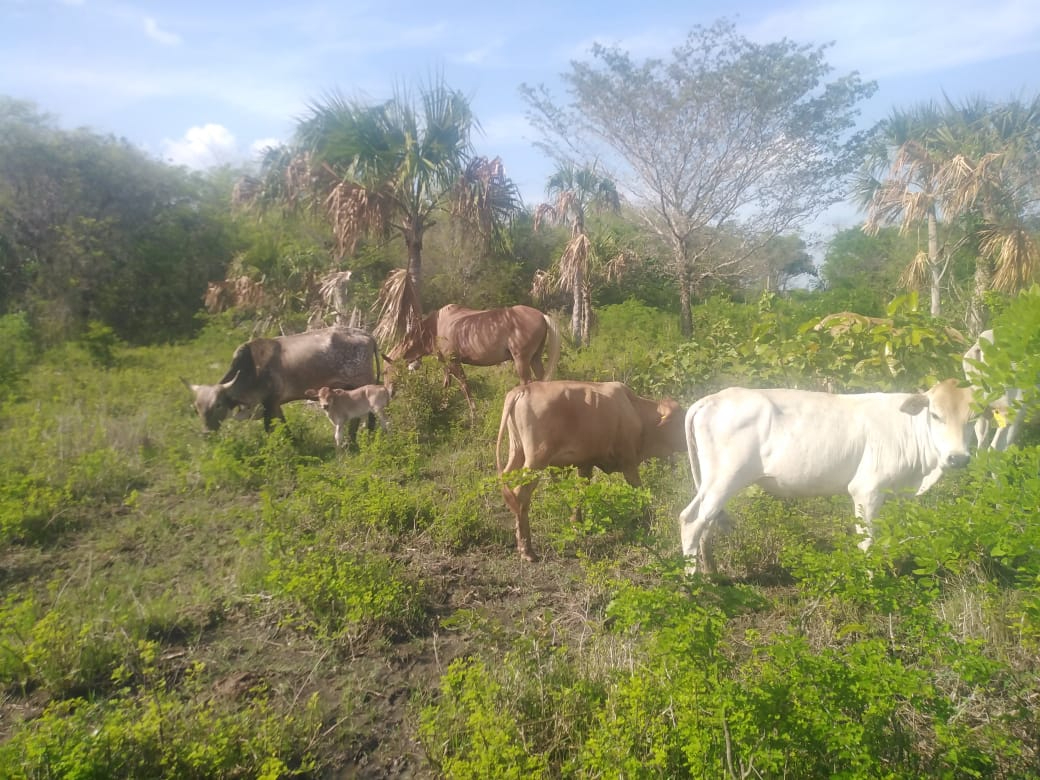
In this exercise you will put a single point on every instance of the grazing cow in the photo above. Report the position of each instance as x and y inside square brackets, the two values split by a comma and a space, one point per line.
[796, 443]
[457, 335]
[271, 372]
[583, 424]
[1003, 411]
[344, 405]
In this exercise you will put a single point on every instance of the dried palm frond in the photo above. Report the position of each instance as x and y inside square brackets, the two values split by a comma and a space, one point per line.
[356, 211]
[915, 275]
[544, 213]
[217, 297]
[245, 192]
[544, 284]
[1014, 254]
[619, 265]
[333, 289]
[483, 196]
[574, 262]
[399, 310]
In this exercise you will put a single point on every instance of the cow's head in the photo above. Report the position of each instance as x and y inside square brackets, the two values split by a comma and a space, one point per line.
[668, 434]
[212, 402]
[322, 396]
[949, 408]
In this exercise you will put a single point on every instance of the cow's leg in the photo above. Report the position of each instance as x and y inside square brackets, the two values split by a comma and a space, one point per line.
[272, 411]
[867, 502]
[537, 369]
[631, 475]
[519, 501]
[523, 523]
[585, 472]
[696, 523]
[523, 368]
[383, 421]
[339, 434]
[455, 370]
[352, 429]
[371, 424]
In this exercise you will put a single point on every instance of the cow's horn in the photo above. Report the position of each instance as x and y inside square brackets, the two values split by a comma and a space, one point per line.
[227, 385]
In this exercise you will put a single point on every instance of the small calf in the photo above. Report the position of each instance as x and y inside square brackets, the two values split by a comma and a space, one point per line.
[344, 405]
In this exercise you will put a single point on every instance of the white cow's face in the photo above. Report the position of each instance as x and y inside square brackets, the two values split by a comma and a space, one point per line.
[949, 410]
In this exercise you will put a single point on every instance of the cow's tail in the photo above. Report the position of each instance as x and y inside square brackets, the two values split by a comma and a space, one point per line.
[375, 356]
[552, 344]
[691, 446]
[514, 443]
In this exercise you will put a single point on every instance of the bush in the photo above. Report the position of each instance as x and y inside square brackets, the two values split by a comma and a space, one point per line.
[161, 734]
[19, 350]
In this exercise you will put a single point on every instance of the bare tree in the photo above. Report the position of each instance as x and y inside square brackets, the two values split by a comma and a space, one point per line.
[724, 133]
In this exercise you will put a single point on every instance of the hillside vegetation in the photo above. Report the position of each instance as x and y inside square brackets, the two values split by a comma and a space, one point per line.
[241, 604]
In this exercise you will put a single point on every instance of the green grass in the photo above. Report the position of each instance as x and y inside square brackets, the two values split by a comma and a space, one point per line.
[241, 604]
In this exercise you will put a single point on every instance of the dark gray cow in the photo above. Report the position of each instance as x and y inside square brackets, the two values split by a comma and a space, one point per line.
[269, 372]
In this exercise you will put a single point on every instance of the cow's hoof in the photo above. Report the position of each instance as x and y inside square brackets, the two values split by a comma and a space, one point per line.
[529, 556]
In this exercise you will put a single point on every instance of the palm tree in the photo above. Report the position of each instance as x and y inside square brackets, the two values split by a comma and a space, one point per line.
[573, 192]
[975, 166]
[990, 182]
[899, 183]
[388, 169]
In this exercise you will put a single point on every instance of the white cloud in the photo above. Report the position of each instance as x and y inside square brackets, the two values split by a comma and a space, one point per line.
[153, 31]
[887, 38]
[202, 147]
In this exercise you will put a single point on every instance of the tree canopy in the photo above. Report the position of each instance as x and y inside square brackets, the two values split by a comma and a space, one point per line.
[725, 132]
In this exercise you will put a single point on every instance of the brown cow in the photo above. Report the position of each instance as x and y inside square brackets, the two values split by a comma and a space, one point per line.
[584, 424]
[484, 337]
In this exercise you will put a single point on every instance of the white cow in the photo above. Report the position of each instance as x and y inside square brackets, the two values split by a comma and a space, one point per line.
[1003, 411]
[795, 443]
[342, 406]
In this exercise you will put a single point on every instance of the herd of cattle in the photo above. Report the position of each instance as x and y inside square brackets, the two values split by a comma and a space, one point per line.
[792, 443]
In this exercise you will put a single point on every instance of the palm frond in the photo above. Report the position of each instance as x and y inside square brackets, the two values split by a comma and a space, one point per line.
[574, 262]
[1014, 254]
[355, 211]
[399, 310]
[915, 275]
[544, 283]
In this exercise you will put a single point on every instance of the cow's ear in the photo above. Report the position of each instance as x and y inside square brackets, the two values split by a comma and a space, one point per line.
[666, 410]
[339, 391]
[311, 393]
[915, 404]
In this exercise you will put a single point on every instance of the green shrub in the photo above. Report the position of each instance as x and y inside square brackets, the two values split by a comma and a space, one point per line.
[19, 351]
[163, 734]
[340, 595]
[64, 649]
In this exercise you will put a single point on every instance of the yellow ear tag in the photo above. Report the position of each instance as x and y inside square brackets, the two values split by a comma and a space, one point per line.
[1000, 418]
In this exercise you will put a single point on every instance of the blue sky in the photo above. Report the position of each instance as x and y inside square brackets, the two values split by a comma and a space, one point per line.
[203, 83]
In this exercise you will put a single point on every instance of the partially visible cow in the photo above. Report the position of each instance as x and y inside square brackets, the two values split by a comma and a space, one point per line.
[1003, 411]
[344, 405]
[269, 372]
[796, 443]
[585, 424]
[483, 337]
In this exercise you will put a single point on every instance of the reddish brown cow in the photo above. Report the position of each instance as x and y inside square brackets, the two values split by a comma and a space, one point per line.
[457, 335]
[584, 424]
